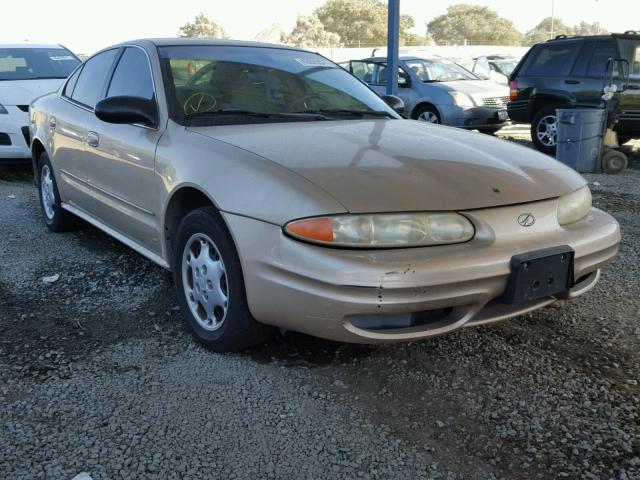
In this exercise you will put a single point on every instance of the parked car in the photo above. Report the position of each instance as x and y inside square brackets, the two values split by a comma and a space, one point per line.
[437, 90]
[494, 67]
[281, 191]
[568, 72]
[26, 72]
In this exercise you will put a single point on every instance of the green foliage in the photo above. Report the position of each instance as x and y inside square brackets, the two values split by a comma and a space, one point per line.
[473, 24]
[542, 32]
[309, 32]
[586, 28]
[363, 22]
[202, 27]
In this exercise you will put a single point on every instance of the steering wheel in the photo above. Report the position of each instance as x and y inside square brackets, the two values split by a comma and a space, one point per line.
[199, 102]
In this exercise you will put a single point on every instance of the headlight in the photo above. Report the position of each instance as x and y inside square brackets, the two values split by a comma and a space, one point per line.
[574, 206]
[462, 99]
[2, 109]
[393, 230]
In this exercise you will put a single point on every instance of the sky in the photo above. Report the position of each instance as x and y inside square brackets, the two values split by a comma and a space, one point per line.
[86, 26]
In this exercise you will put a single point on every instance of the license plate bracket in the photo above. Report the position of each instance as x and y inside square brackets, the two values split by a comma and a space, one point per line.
[538, 274]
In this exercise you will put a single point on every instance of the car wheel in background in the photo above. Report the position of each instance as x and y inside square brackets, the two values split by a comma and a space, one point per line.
[210, 284]
[56, 218]
[613, 161]
[426, 113]
[544, 130]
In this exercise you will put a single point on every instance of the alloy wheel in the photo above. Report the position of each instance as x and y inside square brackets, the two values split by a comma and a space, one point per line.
[428, 116]
[547, 130]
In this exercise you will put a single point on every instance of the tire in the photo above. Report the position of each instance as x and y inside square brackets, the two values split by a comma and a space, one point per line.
[427, 113]
[210, 286]
[614, 161]
[56, 218]
[544, 130]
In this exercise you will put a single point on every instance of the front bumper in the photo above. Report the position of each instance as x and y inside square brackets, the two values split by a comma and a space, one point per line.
[15, 126]
[322, 291]
[473, 118]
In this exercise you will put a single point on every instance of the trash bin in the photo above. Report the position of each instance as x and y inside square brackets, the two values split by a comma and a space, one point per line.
[580, 135]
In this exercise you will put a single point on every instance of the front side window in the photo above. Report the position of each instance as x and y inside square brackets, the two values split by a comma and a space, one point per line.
[439, 70]
[132, 76]
[71, 83]
[93, 76]
[36, 63]
[221, 81]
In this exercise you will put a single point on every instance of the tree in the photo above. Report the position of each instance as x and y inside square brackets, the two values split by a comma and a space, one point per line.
[202, 27]
[309, 32]
[585, 28]
[361, 22]
[543, 31]
[473, 24]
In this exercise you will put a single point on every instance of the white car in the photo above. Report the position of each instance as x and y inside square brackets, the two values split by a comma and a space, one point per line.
[27, 71]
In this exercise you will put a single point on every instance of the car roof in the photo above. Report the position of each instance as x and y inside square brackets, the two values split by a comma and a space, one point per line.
[172, 42]
[30, 45]
[564, 38]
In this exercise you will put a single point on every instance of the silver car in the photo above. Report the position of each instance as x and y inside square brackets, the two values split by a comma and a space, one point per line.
[282, 192]
[437, 90]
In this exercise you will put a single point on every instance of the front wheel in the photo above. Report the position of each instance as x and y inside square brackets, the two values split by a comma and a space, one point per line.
[544, 130]
[210, 284]
[427, 113]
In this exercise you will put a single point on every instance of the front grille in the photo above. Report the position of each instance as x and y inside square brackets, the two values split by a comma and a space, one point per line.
[5, 139]
[495, 102]
[24, 108]
[27, 135]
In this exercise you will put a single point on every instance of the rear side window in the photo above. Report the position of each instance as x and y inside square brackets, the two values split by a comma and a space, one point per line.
[90, 84]
[132, 76]
[601, 54]
[635, 63]
[551, 59]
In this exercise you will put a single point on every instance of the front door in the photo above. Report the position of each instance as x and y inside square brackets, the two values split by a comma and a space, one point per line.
[121, 158]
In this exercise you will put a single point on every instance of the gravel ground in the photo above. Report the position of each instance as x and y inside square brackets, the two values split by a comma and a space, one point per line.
[97, 374]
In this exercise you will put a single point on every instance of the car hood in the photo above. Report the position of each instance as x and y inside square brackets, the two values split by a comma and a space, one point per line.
[478, 88]
[23, 92]
[404, 165]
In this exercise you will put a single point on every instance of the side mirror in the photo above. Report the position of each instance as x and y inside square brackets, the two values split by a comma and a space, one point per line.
[403, 81]
[127, 110]
[394, 102]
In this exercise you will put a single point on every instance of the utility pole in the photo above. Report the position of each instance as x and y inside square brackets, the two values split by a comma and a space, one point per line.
[553, 14]
[393, 38]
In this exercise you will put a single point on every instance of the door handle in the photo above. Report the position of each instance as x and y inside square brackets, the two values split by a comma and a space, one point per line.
[572, 82]
[92, 139]
[52, 123]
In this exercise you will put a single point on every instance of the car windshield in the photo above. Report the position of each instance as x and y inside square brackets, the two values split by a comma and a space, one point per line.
[439, 70]
[36, 63]
[214, 85]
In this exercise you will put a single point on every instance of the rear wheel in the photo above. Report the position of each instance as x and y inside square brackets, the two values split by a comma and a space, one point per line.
[613, 161]
[427, 113]
[56, 218]
[544, 130]
[210, 284]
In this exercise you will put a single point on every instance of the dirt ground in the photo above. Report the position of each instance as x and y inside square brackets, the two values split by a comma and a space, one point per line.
[98, 374]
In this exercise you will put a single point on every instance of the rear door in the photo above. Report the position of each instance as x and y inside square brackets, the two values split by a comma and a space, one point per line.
[71, 126]
[121, 158]
[587, 76]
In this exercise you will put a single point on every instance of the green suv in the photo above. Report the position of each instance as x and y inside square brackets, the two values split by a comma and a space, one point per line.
[568, 72]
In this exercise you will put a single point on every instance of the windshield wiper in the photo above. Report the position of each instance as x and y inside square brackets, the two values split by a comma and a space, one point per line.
[251, 113]
[351, 113]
